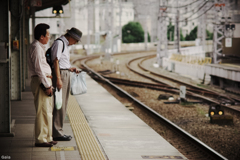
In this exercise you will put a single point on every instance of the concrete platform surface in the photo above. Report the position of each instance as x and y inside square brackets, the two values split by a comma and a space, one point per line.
[122, 135]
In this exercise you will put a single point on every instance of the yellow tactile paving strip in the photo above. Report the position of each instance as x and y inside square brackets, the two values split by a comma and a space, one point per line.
[87, 144]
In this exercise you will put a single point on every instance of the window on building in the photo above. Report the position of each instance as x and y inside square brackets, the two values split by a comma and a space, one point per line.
[193, 23]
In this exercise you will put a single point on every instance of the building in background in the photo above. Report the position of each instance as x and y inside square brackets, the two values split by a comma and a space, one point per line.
[94, 18]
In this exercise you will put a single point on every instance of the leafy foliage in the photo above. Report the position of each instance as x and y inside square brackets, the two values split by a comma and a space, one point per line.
[192, 35]
[170, 33]
[133, 33]
[209, 35]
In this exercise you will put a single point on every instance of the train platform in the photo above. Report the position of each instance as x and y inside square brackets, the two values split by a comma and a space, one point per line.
[101, 126]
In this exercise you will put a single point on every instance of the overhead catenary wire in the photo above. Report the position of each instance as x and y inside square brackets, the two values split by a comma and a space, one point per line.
[184, 5]
[192, 18]
[192, 10]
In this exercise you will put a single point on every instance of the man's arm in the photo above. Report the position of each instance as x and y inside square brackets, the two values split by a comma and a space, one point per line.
[57, 73]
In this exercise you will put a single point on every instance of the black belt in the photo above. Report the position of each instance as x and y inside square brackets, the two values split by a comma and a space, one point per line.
[64, 69]
[46, 76]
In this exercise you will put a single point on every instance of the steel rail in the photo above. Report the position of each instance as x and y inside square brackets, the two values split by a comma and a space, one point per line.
[191, 85]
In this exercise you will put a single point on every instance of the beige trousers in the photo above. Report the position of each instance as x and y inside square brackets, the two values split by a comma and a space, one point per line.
[59, 115]
[44, 108]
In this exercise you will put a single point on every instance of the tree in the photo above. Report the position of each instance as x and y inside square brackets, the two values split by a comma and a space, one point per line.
[192, 35]
[209, 35]
[133, 33]
[181, 36]
[170, 33]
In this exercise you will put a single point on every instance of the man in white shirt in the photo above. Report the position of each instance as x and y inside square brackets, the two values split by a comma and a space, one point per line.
[61, 78]
[41, 86]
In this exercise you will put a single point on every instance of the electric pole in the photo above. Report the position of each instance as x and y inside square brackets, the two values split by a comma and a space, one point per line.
[120, 25]
[177, 32]
[201, 33]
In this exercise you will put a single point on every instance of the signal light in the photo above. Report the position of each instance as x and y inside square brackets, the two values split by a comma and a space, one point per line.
[57, 10]
[215, 110]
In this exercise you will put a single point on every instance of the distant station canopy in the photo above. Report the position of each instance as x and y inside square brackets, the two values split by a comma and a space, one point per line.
[57, 10]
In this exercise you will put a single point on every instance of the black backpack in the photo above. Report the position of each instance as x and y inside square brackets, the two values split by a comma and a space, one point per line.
[48, 54]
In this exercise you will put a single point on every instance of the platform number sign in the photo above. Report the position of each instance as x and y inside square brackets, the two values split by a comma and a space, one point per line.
[36, 3]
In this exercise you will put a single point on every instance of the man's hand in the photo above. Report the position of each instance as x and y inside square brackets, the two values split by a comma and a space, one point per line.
[49, 91]
[73, 69]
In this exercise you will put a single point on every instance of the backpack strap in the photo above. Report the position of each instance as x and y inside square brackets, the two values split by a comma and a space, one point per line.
[63, 44]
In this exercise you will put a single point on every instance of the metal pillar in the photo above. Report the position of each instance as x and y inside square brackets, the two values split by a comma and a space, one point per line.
[5, 49]
[201, 33]
[120, 23]
[162, 33]
[177, 32]
[16, 54]
[112, 27]
[26, 40]
[96, 26]
[22, 46]
[88, 30]
[33, 21]
[107, 28]
[218, 30]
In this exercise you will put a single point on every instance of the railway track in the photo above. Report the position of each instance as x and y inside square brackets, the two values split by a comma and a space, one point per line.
[191, 146]
[170, 84]
[192, 90]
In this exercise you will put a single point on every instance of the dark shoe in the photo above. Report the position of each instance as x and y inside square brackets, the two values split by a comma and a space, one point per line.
[68, 136]
[53, 142]
[63, 138]
[43, 144]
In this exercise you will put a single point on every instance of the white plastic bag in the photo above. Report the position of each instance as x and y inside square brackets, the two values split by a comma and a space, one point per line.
[78, 83]
[58, 99]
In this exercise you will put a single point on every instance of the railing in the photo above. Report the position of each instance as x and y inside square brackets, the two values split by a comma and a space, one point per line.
[191, 59]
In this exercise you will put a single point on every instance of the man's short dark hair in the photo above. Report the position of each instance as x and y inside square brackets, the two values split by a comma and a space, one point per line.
[40, 29]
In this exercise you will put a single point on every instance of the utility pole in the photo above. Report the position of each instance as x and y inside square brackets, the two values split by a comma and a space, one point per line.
[96, 23]
[120, 24]
[107, 28]
[201, 33]
[146, 27]
[112, 27]
[88, 30]
[177, 31]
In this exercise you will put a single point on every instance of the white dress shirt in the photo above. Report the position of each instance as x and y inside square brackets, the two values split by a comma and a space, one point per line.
[63, 57]
[37, 63]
